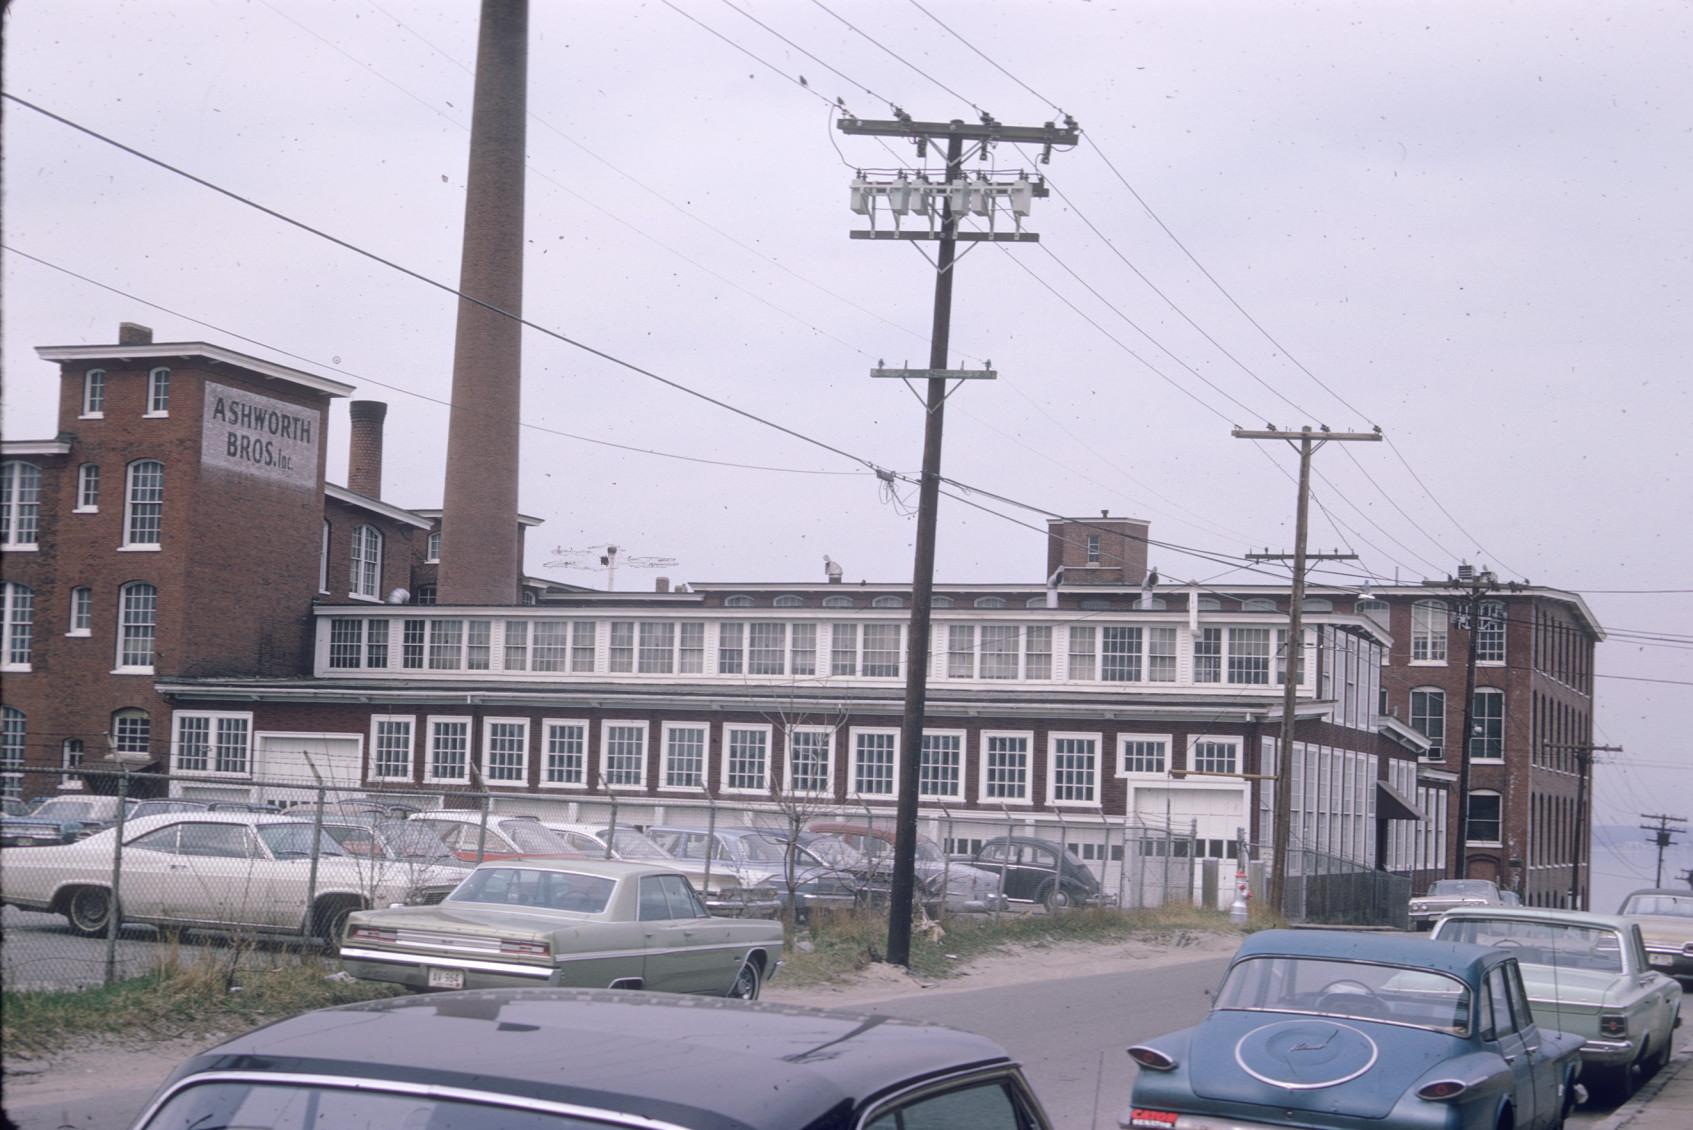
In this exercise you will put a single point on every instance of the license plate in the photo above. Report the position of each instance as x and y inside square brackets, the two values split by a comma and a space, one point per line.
[446, 978]
[1662, 959]
[26, 841]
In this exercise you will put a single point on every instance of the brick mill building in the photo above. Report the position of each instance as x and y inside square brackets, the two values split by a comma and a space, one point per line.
[185, 592]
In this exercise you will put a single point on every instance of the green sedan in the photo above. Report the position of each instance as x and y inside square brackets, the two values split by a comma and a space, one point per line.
[583, 923]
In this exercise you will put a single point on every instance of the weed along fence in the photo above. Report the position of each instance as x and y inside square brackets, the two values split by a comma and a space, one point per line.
[202, 869]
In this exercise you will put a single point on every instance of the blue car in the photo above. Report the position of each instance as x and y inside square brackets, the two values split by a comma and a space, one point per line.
[1329, 1031]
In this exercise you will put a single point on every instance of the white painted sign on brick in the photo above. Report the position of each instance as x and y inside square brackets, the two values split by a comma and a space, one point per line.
[258, 435]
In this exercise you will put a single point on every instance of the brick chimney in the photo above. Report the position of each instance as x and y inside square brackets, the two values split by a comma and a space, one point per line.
[364, 447]
[134, 333]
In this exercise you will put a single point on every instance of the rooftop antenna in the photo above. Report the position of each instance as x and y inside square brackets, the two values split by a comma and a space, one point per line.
[606, 558]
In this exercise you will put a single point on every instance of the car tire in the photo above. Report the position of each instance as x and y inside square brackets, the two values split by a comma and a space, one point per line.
[1654, 1063]
[747, 982]
[1611, 1086]
[1055, 898]
[89, 911]
[329, 922]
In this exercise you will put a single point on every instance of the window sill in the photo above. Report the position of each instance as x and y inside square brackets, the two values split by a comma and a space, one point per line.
[131, 671]
[155, 548]
[701, 789]
[32, 548]
[1490, 663]
[446, 780]
[213, 774]
[79, 634]
[1482, 843]
[15, 668]
[1428, 663]
[155, 415]
[363, 599]
[1091, 805]
[562, 785]
[85, 510]
[1474, 760]
[92, 416]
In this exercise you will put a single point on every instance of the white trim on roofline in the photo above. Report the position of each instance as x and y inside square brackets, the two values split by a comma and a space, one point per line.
[35, 447]
[148, 351]
[375, 506]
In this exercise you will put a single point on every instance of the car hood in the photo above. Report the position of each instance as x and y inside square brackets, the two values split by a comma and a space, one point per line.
[1358, 1068]
[1665, 931]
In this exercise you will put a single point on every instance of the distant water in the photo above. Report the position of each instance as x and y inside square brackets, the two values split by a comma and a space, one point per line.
[1624, 861]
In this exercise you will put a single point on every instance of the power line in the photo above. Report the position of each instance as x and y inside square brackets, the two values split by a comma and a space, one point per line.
[985, 57]
[797, 80]
[825, 8]
[742, 11]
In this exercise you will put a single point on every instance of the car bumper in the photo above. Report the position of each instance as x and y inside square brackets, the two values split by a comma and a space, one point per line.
[413, 970]
[1196, 1122]
[1670, 962]
[729, 906]
[1608, 1053]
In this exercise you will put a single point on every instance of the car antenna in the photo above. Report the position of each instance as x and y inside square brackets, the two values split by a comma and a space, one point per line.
[1098, 1083]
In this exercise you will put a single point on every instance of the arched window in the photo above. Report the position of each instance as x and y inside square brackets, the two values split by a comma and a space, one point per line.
[990, 602]
[888, 602]
[1317, 604]
[14, 735]
[837, 602]
[144, 503]
[158, 392]
[789, 600]
[1096, 604]
[138, 612]
[1258, 604]
[1428, 631]
[132, 733]
[1371, 606]
[1487, 724]
[94, 393]
[20, 503]
[737, 602]
[432, 553]
[1490, 632]
[18, 604]
[82, 611]
[941, 602]
[1485, 817]
[366, 577]
[1208, 604]
[88, 488]
[1035, 602]
[1154, 604]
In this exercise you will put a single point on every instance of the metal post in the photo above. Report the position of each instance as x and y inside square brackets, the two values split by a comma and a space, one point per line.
[611, 832]
[112, 912]
[946, 859]
[317, 839]
[1123, 864]
[483, 800]
[710, 838]
[1063, 847]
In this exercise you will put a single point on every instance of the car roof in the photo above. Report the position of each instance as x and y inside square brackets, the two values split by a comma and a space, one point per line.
[1460, 959]
[659, 1056]
[467, 816]
[1543, 914]
[610, 868]
[1679, 892]
[210, 816]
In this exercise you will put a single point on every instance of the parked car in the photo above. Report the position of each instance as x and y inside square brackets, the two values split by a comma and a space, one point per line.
[587, 923]
[1586, 974]
[393, 841]
[558, 1059]
[59, 820]
[219, 870]
[1040, 871]
[364, 808]
[868, 852]
[752, 864]
[1449, 894]
[725, 894]
[1665, 918]
[503, 837]
[1330, 1029]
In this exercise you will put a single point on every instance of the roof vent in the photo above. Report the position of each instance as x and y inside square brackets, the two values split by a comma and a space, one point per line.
[134, 333]
[1466, 572]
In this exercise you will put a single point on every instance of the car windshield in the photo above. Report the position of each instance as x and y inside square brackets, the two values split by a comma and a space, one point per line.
[409, 841]
[535, 886]
[928, 851]
[1421, 998]
[761, 849]
[833, 852]
[70, 810]
[291, 839]
[1562, 944]
[630, 844]
[1465, 887]
[1670, 906]
[531, 837]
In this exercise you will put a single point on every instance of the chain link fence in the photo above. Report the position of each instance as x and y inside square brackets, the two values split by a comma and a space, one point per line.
[1328, 889]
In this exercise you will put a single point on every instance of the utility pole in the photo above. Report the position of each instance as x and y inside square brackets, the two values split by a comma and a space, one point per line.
[902, 198]
[1476, 585]
[1584, 752]
[1687, 877]
[1309, 442]
[1661, 832]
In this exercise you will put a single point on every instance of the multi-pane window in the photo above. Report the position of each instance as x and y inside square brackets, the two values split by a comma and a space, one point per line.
[1208, 656]
[478, 637]
[1037, 652]
[623, 756]
[684, 756]
[1428, 631]
[874, 755]
[70, 759]
[432, 547]
[808, 759]
[82, 611]
[1213, 756]
[1484, 818]
[1249, 655]
[20, 503]
[144, 503]
[358, 643]
[426, 594]
[1005, 767]
[1161, 655]
[132, 733]
[746, 758]
[843, 649]
[940, 768]
[94, 392]
[1487, 724]
[391, 748]
[565, 753]
[88, 487]
[999, 651]
[517, 645]
[802, 649]
[1075, 769]
[446, 644]
[961, 651]
[14, 739]
[17, 604]
[1119, 654]
[582, 646]
[138, 611]
[366, 574]
[1145, 755]
[449, 749]
[1093, 549]
[731, 653]
[158, 392]
[551, 645]
[1428, 718]
[657, 648]
[767, 646]
[1490, 632]
[1082, 658]
[212, 743]
[411, 643]
[881, 651]
[505, 750]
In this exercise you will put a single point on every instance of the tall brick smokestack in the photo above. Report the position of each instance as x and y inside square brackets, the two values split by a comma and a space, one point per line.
[479, 558]
[364, 447]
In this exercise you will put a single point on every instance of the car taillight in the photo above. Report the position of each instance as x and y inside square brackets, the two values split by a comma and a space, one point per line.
[1444, 1090]
[523, 949]
[1151, 1058]
[1613, 1024]
[372, 934]
[1151, 1119]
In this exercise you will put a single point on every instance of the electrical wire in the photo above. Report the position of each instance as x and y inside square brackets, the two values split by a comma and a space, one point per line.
[825, 8]
[797, 80]
[889, 102]
[986, 58]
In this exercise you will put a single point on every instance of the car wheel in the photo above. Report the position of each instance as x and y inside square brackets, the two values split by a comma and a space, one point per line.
[747, 983]
[89, 911]
[332, 922]
[1654, 1063]
[1612, 1086]
[1055, 898]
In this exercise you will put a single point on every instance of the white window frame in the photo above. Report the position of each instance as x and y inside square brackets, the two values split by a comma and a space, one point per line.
[829, 733]
[123, 622]
[430, 777]
[1052, 740]
[93, 406]
[1123, 739]
[14, 504]
[963, 739]
[87, 485]
[665, 729]
[585, 731]
[432, 548]
[1496, 795]
[603, 757]
[14, 626]
[1235, 741]
[81, 611]
[1492, 612]
[213, 717]
[1027, 737]
[488, 779]
[853, 733]
[1443, 742]
[724, 758]
[359, 564]
[130, 544]
[1428, 634]
[323, 560]
[1494, 694]
[68, 765]
[375, 746]
[131, 712]
[158, 389]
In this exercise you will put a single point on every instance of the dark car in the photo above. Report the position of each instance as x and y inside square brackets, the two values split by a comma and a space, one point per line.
[59, 820]
[1039, 871]
[563, 1059]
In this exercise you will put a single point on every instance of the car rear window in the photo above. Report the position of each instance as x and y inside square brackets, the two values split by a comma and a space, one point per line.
[1422, 998]
[1673, 906]
[533, 886]
[286, 1106]
[1562, 944]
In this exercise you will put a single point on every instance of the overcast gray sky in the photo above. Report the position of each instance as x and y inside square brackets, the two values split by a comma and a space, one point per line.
[1471, 221]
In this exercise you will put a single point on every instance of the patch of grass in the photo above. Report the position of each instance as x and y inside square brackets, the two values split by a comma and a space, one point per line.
[843, 944]
[178, 999]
